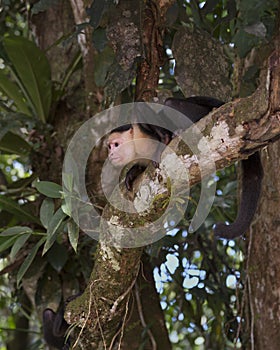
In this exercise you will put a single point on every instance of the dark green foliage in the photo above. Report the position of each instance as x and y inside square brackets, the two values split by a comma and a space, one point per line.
[252, 27]
[43, 5]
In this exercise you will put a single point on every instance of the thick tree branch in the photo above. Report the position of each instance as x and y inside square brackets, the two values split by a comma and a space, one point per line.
[103, 306]
[232, 132]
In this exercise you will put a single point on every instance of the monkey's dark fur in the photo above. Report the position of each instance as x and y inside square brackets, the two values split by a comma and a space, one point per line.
[195, 108]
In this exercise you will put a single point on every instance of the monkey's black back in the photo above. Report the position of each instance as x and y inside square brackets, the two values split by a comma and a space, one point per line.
[195, 107]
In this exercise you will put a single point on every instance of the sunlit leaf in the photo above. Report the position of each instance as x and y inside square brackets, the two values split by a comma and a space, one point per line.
[16, 230]
[49, 189]
[46, 211]
[19, 243]
[68, 180]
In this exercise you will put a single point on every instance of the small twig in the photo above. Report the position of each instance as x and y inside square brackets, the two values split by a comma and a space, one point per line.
[121, 298]
[142, 319]
[87, 316]
[100, 327]
[122, 328]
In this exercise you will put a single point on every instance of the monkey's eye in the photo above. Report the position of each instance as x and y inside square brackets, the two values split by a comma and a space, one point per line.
[116, 144]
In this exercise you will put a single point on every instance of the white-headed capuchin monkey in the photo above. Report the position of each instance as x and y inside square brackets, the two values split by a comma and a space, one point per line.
[125, 144]
[132, 141]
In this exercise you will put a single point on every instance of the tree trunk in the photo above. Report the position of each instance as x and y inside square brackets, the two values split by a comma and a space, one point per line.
[264, 259]
[146, 323]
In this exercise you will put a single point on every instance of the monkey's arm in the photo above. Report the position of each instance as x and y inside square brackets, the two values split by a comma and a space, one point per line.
[54, 329]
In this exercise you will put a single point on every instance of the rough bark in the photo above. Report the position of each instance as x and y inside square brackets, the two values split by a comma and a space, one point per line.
[264, 260]
[102, 310]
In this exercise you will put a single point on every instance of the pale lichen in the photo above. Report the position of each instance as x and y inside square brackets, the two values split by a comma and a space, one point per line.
[107, 253]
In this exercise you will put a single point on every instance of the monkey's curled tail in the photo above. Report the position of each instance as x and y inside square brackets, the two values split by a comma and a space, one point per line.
[252, 174]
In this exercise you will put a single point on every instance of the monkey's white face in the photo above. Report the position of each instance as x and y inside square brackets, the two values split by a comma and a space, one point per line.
[121, 148]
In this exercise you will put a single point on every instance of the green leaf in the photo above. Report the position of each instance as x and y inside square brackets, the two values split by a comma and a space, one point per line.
[68, 181]
[21, 184]
[14, 208]
[6, 242]
[46, 211]
[13, 144]
[57, 256]
[19, 243]
[33, 71]
[16, 230]
[96, 11]
[54, 228]
[102, 63]
[11, 90]
[73, 234]
[100, 39]
[28, 261]
[66, 207]
[49, 189]
[42, 6]
[244, 42]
